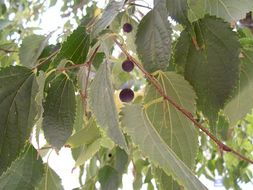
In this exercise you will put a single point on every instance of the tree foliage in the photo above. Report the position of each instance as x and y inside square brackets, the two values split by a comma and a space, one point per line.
[186, 110]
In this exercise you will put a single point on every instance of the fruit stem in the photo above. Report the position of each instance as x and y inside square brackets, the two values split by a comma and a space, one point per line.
[158, 87]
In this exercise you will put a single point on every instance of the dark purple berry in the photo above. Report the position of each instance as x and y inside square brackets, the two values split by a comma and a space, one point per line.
[127, 27]
[126, 95]
[127, 65]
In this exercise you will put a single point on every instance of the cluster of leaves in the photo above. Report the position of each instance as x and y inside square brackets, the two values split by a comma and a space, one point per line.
[69, 92]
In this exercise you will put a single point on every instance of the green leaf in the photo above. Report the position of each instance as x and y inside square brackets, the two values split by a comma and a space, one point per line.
[88, 152]
[18, 109]
[223, 127]
[110, 12]
[79, 119]
[31, 48]
[102, 104]
[24, 173]
[175, 129]
[89, 185]
[212, 69]
[153, 40]
[60, 109]
[242, 102]
[143, 134]
[120, 160]
[108, 178]
[85, 136]
[50, 181]
[230, 10]
[39, 98]
[164, 181]
[177, 9]
[75, 48]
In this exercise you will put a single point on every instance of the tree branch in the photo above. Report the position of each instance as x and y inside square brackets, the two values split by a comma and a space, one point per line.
[84, 94]
[158, 87]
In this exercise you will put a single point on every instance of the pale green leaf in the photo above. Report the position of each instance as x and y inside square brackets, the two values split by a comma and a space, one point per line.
[153, 40]
[175, 129]
[25, 173]
[88, 152]
[213, 69]
[18, 109]
[79, 119]
[85, 136]
[102, 103]
[31, 48]
[110, 12]
[108, 178]
[75, 48]
[242, 102]
[60, 109]
[106, 142]
[230, 10]
[164, 181]
[143, 134]
[50, 181]
[82, 79]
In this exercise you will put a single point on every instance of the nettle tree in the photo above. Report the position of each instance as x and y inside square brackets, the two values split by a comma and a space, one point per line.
[166, 90]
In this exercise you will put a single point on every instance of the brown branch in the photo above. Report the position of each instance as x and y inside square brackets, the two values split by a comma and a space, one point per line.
[88, 64]
[71, 67]
[84, 94]
[158, 87]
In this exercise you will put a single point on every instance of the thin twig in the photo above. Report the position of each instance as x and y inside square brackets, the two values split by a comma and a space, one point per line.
[158, 87]
[84, 95]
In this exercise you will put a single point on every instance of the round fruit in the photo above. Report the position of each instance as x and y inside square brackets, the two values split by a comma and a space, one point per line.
[127, 65]
[127, 27]
[126, 95]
